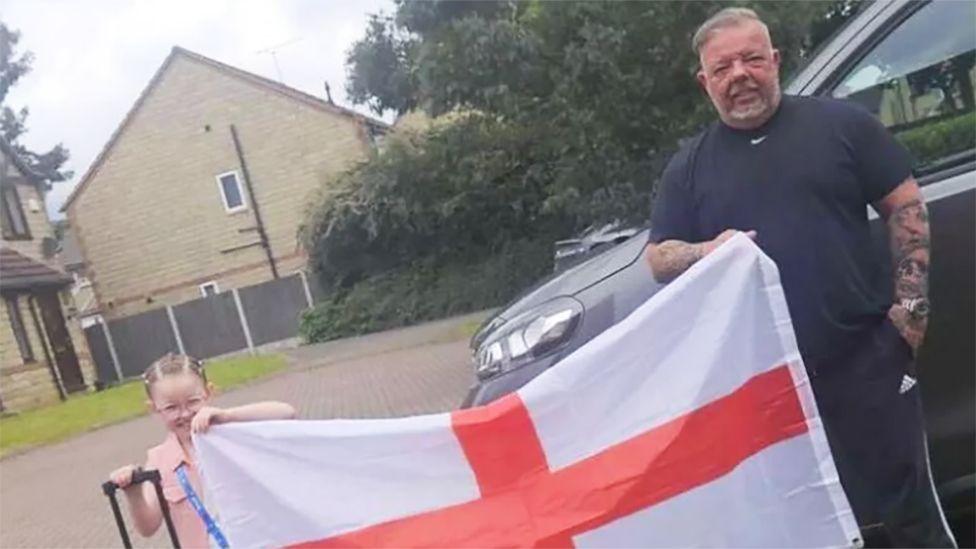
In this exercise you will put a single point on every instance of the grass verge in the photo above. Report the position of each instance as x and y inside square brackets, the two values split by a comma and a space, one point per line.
[89, 411]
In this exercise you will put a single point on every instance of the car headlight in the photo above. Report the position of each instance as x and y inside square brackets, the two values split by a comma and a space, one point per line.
[531, 335]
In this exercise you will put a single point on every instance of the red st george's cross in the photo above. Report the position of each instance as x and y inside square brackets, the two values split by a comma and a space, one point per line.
[523, 503]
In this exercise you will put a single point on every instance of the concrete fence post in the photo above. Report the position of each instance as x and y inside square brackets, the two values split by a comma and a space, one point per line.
[243, 317]
[308, 290]
[111, 348]
[176, 329]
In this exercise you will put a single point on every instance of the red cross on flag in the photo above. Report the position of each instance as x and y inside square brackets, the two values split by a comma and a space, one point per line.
[691, 422]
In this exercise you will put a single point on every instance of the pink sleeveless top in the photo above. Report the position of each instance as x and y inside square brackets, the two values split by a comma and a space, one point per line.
[166, 458]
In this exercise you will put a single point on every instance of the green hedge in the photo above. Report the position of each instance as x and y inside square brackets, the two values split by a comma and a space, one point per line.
[934, 141]
[426, 292]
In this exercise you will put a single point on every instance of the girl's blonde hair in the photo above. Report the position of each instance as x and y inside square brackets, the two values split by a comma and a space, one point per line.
[172, 364]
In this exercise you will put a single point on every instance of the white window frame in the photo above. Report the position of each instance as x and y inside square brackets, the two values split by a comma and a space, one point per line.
[240, 190]
[213, 283]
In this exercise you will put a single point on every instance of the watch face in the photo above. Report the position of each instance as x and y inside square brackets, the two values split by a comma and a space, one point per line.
[918, 306]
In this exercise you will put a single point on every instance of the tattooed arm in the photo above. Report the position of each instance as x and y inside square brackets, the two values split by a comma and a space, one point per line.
[670, 258]
[908, 235]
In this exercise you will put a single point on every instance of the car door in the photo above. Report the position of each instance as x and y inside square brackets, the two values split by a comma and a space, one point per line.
[914, 66]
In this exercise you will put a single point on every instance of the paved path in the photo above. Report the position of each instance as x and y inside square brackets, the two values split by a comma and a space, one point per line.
[50, 497]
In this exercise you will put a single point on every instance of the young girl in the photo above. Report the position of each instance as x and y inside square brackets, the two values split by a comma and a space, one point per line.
[178, 394]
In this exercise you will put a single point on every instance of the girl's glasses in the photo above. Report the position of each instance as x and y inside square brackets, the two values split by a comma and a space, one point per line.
[172, 410]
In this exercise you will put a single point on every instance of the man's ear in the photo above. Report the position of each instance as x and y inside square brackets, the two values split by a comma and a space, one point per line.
[702, 80]
[776, 57]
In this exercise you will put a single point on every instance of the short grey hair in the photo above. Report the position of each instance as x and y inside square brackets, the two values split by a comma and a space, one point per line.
[728, 17]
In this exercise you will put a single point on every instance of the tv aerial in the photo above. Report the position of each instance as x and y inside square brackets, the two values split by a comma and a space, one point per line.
[273, 51]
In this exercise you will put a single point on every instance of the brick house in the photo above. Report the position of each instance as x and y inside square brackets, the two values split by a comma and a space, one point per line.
[203, 185]
[43, 356]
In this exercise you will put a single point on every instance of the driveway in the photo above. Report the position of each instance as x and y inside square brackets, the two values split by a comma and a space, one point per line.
[50, 497]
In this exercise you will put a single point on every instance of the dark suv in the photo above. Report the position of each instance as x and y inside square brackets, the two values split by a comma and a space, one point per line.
[912, 65]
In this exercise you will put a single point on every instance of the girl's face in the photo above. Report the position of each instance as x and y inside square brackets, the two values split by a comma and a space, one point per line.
[177, 398]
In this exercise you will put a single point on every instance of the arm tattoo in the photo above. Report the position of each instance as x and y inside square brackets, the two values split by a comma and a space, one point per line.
[909, 239]
[673, 257]
[908, 228]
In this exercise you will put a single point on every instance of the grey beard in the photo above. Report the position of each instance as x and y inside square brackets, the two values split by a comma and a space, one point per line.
[749, 113]
[765, 106]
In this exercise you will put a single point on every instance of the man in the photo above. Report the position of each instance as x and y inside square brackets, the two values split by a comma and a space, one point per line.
[796, 174]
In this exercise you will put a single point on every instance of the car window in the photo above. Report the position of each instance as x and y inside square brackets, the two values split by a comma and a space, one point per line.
[919, 81]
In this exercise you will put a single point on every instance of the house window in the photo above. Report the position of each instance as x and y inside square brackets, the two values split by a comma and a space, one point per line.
[17, 325]
[231, 192]
[14, 222]
[208, 289]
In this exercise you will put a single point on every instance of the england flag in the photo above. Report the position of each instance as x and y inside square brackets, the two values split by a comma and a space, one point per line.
[689, 423]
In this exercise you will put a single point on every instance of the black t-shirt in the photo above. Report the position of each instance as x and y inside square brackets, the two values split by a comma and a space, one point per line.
[803, 182]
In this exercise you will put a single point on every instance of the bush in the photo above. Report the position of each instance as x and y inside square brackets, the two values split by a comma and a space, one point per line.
[424, 291]
[936, 140]
[454, 194]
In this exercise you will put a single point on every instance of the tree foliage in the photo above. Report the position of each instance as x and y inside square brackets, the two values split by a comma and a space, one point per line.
[13, 123]
[420, 199]
[564, 114]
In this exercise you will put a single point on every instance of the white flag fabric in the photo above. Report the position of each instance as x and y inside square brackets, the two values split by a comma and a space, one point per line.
[689, 423]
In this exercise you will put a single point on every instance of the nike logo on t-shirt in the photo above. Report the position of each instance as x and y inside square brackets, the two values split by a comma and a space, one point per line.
[758, 140]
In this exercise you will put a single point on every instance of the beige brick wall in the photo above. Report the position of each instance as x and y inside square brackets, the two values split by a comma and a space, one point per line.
[151, 221]
[28, 389]
[23, 385]
[9, 352]
[249, 277]
[246, 276]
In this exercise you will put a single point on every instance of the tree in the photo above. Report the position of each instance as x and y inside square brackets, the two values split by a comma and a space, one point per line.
[611, 82]
[563, 116]
[458, 194]
[383, 79]
[13, 124]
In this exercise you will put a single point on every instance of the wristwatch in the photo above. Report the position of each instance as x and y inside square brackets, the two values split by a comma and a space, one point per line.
[916, 306]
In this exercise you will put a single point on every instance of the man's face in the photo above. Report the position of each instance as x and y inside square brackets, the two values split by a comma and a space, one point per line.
[740, 73]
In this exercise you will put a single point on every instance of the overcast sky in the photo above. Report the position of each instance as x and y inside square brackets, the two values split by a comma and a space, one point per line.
[92, 58]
